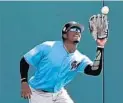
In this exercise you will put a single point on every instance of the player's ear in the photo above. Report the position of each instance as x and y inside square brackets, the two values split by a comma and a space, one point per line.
[65, 36]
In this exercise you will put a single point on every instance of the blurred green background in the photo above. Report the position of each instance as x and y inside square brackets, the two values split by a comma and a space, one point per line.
[23, 25]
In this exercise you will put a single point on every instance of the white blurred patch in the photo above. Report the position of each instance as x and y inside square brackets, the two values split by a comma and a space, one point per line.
[33, 51]
[49, 43]
[64, 29]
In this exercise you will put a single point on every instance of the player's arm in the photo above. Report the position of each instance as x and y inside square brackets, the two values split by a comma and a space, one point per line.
[24, 67]
[25, 89]
[30, 58]
[96, 68]
[98, 26]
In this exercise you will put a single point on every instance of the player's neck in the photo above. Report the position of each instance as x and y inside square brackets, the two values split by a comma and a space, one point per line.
[70, 47]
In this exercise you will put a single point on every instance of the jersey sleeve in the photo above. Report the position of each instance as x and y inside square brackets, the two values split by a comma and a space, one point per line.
[34, 56]
[84, 62]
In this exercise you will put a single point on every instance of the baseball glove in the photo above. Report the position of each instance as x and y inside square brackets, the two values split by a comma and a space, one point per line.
[98, 26]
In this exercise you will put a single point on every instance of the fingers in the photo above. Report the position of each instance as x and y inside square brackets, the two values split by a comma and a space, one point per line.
[92, 18]
[26, 94]
[98, 25]
[98, 19]
[105, 25]
[92, 23]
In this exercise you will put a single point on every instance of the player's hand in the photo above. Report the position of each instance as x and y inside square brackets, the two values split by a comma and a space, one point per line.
[101, 42]
[25, 90]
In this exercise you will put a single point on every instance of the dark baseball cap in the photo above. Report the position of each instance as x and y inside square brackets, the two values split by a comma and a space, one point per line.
[72, 24]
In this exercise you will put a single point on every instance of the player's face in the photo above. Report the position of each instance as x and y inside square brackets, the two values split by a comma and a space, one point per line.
[74, 35]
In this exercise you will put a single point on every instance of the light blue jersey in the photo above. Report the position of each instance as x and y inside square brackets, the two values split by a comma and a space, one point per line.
[55, 67]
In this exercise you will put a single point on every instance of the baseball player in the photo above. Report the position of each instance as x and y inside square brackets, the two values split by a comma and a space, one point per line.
[56, 63]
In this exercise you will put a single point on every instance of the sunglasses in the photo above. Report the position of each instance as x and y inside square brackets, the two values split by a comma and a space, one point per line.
[75, 30]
